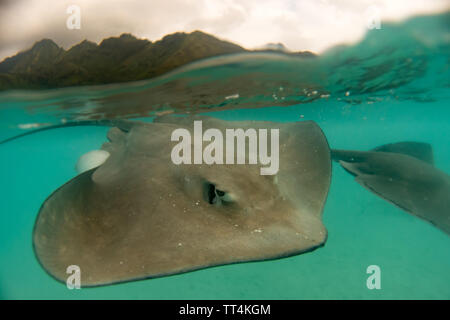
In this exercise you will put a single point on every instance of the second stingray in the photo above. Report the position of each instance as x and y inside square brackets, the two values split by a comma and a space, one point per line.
[404, 174]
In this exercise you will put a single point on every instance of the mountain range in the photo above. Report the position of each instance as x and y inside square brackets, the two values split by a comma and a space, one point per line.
[116, 59]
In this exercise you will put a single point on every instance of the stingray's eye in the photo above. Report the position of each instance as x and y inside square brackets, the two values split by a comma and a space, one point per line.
[214, 195]
[211, 195]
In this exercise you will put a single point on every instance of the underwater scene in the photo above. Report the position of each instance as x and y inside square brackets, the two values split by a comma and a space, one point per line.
[359, 207]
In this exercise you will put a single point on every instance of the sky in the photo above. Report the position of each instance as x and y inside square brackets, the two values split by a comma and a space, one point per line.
[313, 25]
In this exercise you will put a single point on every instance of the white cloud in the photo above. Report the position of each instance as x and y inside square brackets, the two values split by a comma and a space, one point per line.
[300, 24]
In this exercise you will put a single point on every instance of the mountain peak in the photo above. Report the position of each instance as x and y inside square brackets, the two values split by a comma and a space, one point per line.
[275, 47]
[122, 40]
[45, 43]
[83, 45]
[127, 36]
[86, 43]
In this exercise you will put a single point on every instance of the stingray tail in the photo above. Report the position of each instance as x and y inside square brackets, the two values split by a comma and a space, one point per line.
[346, 155]
[124, 125]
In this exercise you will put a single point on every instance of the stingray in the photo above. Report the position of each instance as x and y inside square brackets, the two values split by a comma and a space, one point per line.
[404, 174]
[139, 216]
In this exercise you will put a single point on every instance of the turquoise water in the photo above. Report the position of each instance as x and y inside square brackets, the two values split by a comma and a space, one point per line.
[392, 86]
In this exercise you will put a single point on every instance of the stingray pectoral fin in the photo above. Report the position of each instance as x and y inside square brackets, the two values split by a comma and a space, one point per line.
[62, 228]
[407, 182]
[419, 150]
[396, 192]
[426, 202]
